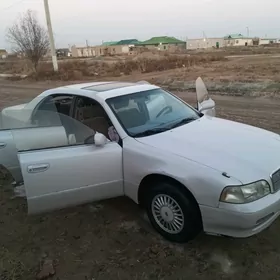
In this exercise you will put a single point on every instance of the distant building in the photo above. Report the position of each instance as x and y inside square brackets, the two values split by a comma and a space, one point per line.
[107, 48]
[3, 53]
[92, 51]
[126, 45]
[205, 43]
[64, 52]
[127, 42]
[268, 41]
[232, 40]
[129, 47]
[163, 43]
[109, 43]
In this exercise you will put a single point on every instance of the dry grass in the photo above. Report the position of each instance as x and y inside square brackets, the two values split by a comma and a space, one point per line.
[265, 49]
[79, 69]
[15, 66]
[242, 50]
[117, 66]
[74, 69]
[248, 75]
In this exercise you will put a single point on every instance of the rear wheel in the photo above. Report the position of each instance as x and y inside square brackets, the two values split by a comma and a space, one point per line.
[173, 213]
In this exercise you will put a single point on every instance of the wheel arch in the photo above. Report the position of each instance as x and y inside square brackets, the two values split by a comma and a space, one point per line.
[146, 182]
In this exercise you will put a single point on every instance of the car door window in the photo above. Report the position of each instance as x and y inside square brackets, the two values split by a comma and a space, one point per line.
[57, 111]
[50, 109]
[90, 113]
[66, 131]
[52, 125]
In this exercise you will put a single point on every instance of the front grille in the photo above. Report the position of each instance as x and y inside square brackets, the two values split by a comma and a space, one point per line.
[275, 177]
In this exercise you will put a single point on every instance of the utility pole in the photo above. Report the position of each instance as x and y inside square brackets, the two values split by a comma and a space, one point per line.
[247, 31]
[205, 39]
[87, 48]
[247, 34]
[49, 24]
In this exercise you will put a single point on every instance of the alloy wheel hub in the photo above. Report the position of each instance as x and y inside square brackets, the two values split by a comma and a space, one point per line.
[168, 213]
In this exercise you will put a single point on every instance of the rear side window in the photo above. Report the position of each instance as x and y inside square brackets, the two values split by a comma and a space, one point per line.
[61, 104]
[49, 111]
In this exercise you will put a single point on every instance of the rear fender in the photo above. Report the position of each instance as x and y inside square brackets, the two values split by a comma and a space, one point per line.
[8, 155]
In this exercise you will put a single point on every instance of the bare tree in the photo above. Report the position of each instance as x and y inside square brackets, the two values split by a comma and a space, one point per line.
[29, 38]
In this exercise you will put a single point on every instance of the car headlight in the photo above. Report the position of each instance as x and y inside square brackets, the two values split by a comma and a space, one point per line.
[245, 193]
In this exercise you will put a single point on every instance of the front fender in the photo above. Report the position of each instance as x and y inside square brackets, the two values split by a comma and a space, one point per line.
[141, 160]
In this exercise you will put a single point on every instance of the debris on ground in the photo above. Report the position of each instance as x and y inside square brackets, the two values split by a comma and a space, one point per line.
[224, 261]
[47, 270]
[19, 191]
[93, 208]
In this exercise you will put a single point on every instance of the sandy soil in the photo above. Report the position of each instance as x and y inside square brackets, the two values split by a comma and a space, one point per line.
[113, 240]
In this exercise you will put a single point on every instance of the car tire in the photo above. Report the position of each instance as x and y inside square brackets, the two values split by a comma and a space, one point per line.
[173, 212]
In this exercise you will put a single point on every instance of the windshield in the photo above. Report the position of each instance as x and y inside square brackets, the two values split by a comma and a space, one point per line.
[150, 112]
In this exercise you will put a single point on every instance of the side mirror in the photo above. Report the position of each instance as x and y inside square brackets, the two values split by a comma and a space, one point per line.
[100, 140]
[207, 107]
[205, 104]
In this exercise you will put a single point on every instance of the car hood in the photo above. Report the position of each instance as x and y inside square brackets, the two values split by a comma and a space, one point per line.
[245, 152]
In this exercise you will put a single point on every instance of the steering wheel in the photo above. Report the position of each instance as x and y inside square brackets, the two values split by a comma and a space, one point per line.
[168, 109]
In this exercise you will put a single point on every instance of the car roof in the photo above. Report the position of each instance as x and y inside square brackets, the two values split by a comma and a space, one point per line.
[106, 90]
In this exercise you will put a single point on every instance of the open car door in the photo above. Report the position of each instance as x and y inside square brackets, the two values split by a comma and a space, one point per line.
[8, 149]
[18, 129]
[30, 138]
[204, 103]
[62, 171]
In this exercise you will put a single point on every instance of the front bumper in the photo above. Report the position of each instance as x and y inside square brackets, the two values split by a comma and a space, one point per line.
[241, 220]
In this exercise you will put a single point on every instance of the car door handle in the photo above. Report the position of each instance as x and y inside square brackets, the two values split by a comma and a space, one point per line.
[37, 168]
[2, 145]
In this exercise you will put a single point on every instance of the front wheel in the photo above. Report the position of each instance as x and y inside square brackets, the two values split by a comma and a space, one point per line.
[173, 213]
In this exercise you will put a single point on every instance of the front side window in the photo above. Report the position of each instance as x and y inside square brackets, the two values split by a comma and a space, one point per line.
[62, 131]
[90, 113]
[150, 112]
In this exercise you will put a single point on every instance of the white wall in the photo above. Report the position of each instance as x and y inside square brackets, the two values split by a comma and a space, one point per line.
[239, 42]
[82, 52]
[193, 44]
[125, 49]
[265, 41]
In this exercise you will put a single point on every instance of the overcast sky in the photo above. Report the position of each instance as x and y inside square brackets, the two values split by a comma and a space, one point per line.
[74, 21]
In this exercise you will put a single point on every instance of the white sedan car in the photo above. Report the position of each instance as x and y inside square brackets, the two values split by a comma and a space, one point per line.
[191, 171]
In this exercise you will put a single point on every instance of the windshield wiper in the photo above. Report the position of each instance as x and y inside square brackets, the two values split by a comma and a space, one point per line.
[151, 131]
[182, 122]
[162, 129]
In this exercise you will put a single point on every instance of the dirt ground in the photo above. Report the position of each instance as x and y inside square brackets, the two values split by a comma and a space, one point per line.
[250, 69]
[113, 240]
